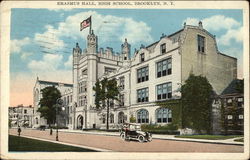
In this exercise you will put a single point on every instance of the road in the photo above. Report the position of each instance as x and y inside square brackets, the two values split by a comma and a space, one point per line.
[116, 144]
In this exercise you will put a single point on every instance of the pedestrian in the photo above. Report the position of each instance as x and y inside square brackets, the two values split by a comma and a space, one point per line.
[19, 130]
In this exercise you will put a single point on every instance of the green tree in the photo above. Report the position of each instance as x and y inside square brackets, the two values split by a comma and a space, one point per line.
[48, 103]
[197, 103]
[106, 92]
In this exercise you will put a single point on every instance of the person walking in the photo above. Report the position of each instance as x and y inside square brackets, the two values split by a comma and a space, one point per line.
[19, 130]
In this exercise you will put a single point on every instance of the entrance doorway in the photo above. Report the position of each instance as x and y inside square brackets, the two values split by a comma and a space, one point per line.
[80, 122]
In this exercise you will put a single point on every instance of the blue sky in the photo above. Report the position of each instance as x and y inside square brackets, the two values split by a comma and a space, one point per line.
[34, 31]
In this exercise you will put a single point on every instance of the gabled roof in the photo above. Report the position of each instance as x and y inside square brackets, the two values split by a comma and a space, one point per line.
[54, 83]
[233, 87]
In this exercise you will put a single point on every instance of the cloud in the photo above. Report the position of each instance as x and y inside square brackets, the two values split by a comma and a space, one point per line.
[68, 64]
[107, 27]
[231, 34]
[50, 62]
[233, 28]
[214, 23]
[18, 44]
[25, 55]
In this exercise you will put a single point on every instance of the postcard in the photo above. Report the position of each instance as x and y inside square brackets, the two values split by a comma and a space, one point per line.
[124, 80]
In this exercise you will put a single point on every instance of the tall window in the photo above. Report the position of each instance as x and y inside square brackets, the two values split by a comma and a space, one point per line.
[142, 95]
[121, 97]
[142, 75]
[142, 116]
[164, 91]
[201, 43]
[142, 57]
[121, 117]
[163, 48]
[122, 82]
[25, 111]
[103, 119]
[164, 67]
[111, 118]
[163, 115]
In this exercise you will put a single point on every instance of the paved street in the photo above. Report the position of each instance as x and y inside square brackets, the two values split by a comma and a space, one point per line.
[115, 143]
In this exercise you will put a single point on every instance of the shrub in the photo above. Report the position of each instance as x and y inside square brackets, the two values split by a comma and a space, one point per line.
[158, 129]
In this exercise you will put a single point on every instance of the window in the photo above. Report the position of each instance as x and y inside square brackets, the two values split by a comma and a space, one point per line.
[103, 119]
[142, 57]
[142, 75]
[82, 100]
[121, 117]
[25, 111]
[121, 100]
[201, 43]
[84, 72]
[164, 91]
[109, 70]
[67, 99]
[122, 81]
[240, 102]
[229, 117]
[229, 101]
[163, 48]
[111, 118]
[240, 116]
[163, 115]
[142, 116]
[142, 95]
[164, 67]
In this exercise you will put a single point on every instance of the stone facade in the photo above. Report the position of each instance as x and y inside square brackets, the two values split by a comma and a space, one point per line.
[21, 116]
[65, 90]
[155, 72]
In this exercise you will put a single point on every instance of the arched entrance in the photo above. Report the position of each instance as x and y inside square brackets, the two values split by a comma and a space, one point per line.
[79, 122]
[121, 117]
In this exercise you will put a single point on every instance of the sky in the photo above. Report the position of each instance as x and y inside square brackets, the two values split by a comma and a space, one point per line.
[42, 40]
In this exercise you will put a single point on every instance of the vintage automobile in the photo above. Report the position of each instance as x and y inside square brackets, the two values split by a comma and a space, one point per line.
[132, 131]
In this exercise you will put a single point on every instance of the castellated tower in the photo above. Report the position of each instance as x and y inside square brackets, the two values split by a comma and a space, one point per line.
[125, 49]
[92, 69]
[76, 54]
[92, 43]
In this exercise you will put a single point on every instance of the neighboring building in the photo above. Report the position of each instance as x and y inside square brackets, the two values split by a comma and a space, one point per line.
[155, 73]
[21, 116]
[232, 108]
[66, 92]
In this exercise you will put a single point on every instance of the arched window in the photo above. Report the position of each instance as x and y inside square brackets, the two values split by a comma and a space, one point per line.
[142, 116]
[111, 118]
[163, 115]
[121, 117]
[103, 119]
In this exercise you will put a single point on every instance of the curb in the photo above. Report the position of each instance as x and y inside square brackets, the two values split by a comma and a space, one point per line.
[175, 139]
[65, 143]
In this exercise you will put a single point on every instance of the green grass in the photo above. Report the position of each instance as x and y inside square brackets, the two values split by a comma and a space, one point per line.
[210, 137]
[26, 144]
[239, 140]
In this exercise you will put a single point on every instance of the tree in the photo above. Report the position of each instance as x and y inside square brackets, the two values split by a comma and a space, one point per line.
[48, 104]
[106, 91]
[197, 103]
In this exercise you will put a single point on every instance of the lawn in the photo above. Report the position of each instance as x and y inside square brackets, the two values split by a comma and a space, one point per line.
[26, 144]
[210, 137]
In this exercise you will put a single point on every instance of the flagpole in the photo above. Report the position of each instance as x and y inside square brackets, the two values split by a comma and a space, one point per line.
[90, 27]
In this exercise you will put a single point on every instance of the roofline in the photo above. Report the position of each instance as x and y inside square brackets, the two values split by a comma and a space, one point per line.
[226, 55]
[55, 82]
[175, 32]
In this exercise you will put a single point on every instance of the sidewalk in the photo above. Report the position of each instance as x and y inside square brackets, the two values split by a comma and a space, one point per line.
[158, 136]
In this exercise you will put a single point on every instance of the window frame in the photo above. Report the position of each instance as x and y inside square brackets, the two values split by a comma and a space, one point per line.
[163, 50]
[160, 65]
[201, 43]
[164, 91]
[142, 74]
[140, 93]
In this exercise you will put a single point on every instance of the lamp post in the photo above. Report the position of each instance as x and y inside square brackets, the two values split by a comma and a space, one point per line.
[59, 103]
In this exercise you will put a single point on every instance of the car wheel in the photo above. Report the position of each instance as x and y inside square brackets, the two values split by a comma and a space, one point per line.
[141, 138]
[123, 136]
